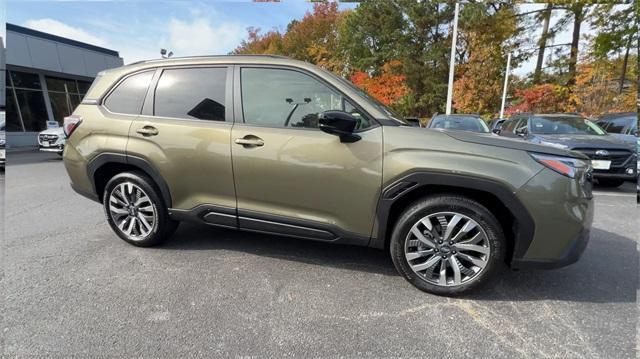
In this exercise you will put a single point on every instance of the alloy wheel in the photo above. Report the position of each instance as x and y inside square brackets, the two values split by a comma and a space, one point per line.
[132, 211]
[447, 249]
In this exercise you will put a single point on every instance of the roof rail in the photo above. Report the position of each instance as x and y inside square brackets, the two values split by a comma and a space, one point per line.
[208, 56]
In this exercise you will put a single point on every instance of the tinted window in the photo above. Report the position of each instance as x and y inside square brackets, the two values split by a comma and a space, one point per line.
[197, 93]
[464, 123]
[285, 98]
[617, 125]
[25, 80]
[564, 125]
[129, 95]
[510, 125]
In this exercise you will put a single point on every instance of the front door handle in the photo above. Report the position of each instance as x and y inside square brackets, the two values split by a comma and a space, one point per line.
[249, 141]
[147, 131]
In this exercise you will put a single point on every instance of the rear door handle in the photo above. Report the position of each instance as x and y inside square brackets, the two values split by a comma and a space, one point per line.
[249, 141]
[147, 131]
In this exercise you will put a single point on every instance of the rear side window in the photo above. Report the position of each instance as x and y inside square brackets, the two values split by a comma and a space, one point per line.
[195, 93]
[129, 95]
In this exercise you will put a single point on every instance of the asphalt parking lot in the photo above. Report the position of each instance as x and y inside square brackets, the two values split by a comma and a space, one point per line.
[71, 287]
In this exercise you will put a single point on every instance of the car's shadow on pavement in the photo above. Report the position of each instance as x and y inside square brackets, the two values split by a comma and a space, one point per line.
[201, 237]
[608, 272]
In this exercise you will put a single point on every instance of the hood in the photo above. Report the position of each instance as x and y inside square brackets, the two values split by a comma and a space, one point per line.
[571, 142]
[630, 139]
[489, 139]
[53, 131]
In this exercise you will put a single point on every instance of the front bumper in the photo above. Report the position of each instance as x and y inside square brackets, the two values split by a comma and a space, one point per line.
[622, 175]
[571, 255]
[562, 210]
[54, 148]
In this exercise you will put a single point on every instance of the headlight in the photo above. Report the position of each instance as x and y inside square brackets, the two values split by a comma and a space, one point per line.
[566, 166]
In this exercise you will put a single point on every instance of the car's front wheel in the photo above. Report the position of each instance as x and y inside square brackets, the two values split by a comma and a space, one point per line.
[447, 244]
[135, 210]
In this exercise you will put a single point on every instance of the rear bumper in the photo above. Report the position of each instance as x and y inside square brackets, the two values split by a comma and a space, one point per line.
[89, 195]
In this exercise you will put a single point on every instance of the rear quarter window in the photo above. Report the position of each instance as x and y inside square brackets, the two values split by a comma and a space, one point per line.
[128, 96]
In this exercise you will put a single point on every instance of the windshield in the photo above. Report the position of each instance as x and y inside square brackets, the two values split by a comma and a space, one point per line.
[377, 104]
[463, 123]
[565, 125]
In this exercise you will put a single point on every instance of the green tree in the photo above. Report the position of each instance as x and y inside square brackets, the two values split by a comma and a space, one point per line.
[617, 32]
[488, 32]
[416, 34]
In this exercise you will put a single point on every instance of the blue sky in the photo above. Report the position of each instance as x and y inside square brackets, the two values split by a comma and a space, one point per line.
[138, 29]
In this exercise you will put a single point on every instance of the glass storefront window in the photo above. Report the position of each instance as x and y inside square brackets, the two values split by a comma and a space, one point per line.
[61, 85]
[33, 110]
[13, 118]
[25, 80]
[59, 105]
[83, 87]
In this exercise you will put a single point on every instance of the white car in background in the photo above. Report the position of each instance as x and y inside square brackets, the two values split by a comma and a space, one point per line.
[52, 139]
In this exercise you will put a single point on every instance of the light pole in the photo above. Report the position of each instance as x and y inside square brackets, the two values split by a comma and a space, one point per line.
[452, 63]
[506, 84]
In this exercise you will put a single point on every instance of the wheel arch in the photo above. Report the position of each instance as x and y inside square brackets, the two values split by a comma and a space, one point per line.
[106, 165]
[515, 220]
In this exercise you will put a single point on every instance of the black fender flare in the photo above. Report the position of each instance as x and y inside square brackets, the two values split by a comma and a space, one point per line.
[106, 158]
[406, 183]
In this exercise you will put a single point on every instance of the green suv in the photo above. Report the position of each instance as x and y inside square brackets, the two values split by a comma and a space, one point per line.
[272, 145]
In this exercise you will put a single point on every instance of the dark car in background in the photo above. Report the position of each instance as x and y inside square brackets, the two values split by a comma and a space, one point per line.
[613, 159]
[462, 122]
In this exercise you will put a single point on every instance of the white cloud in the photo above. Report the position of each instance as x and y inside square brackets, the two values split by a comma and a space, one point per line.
[200, 37]
[61, 29]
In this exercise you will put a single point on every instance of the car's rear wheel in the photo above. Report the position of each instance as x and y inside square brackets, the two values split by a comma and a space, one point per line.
[447, 244]
[609, 182]
[135, 210]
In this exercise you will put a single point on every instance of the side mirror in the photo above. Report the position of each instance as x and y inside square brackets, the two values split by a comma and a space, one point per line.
[497, 130]
[339, 123]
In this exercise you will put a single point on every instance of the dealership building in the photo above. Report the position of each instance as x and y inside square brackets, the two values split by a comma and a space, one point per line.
[46, 78]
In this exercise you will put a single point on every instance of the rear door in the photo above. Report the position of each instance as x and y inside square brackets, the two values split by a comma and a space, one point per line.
[184, 132]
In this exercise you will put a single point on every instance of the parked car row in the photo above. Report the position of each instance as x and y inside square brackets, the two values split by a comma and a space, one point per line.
[610, 142]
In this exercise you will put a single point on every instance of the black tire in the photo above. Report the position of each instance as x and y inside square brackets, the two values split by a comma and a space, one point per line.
[448, 203]
[162, 228]
[610, 182]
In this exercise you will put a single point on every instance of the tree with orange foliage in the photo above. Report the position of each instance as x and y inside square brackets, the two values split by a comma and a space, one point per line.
[545, 98]
[389, 87]
[268, 43]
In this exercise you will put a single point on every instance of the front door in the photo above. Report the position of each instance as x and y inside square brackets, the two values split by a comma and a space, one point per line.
[184, 131]
[292, 178]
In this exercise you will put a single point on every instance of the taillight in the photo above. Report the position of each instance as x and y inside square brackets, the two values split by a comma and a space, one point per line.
[566, 166]
[70, 124]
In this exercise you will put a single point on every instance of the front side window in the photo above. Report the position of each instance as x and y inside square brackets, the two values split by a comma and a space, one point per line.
[618, 125]
[128, 97]
[193, 93]
[286, 98]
